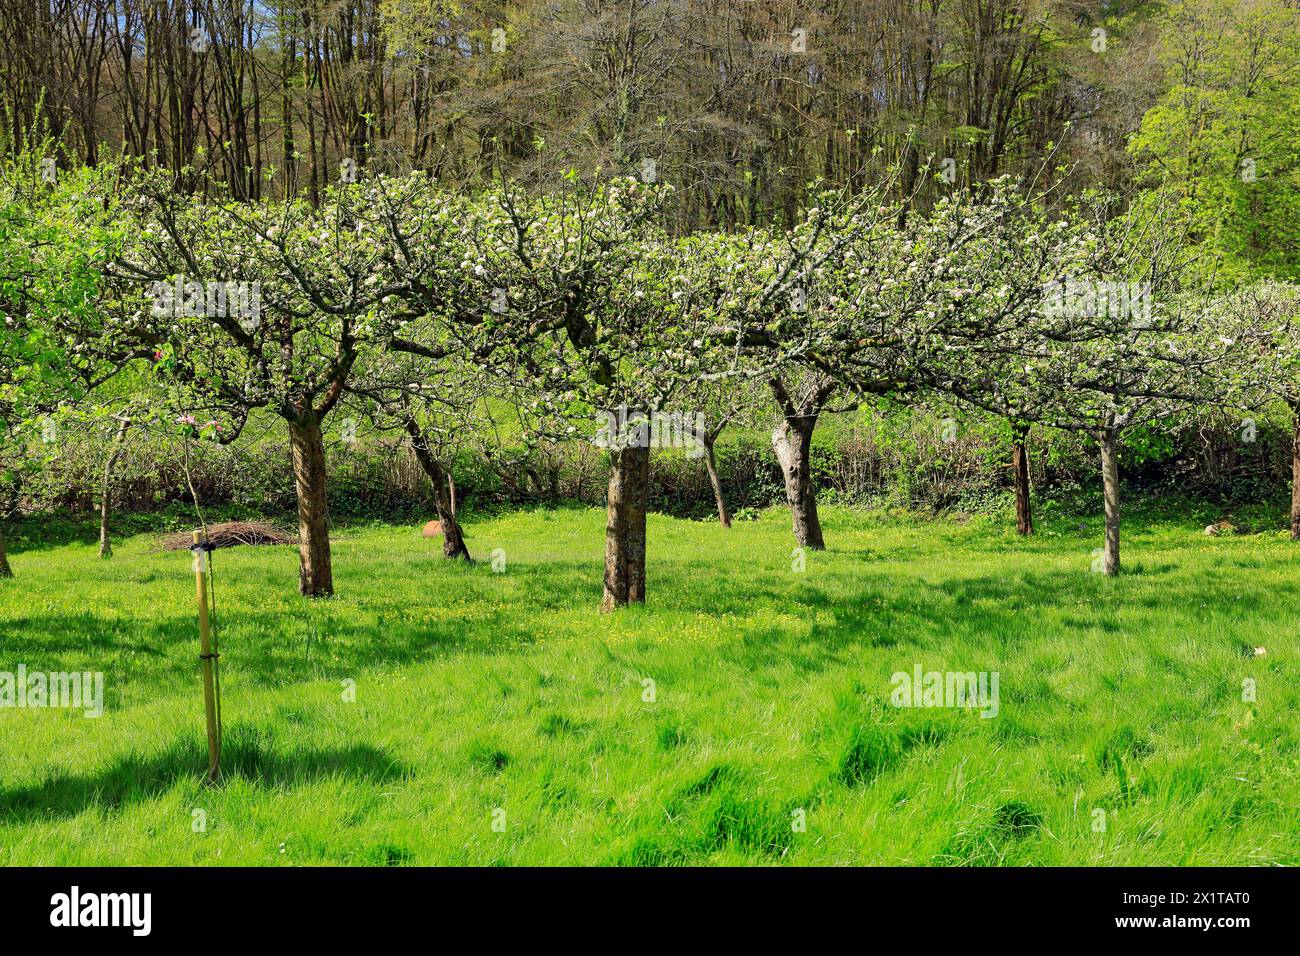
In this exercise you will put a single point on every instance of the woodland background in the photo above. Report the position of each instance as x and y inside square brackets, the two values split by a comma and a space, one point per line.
[740, 105]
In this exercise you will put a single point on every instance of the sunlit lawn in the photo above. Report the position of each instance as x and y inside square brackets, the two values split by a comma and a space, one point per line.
[485, 697]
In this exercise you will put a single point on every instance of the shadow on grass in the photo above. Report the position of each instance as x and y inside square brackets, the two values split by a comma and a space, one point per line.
[246, 754]
[265, 648]
[869, 604]
[87, 632]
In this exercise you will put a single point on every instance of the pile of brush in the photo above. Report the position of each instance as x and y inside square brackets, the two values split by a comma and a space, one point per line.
[232, 534]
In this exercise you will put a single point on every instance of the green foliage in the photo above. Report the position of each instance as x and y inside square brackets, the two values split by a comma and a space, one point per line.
[887, 459]
[56, 240]
[1222, 146]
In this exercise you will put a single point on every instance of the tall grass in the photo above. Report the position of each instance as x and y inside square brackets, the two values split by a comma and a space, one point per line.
[742, 716]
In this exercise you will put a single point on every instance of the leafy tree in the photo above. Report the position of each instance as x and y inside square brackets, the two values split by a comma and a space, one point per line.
[775, 298]
[1222, 146]
[1115, 342]
[443, 406]
[58, 230]
[852, 301]
[1265, 318]
[584, 304]
[271, 305]
[717, 404]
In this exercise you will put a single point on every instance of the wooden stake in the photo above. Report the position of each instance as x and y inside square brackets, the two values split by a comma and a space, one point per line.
[207, 657]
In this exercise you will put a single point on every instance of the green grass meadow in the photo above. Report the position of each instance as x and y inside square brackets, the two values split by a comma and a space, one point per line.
[499, 719]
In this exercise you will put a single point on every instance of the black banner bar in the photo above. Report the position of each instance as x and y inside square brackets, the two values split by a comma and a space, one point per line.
[335, 905]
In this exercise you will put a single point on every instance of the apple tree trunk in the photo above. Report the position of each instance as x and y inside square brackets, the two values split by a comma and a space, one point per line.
[711, 466]
[1295, 472]
[106, 492]
[793, 446]
[444, 494]
[1109, 441]
[625, 527]
[1020, 466]
[315, 576]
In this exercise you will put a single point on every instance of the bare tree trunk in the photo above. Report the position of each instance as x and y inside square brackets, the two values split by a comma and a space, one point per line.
[625, 527]
[793, 446]
[1020, 466]
[106, 492]
[1109, 441]
[454, 547]
[1295, 472]
[105, 545]
[444, 500]
[711, 466]
[315, 575]
[5, 570]
[444, 493]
